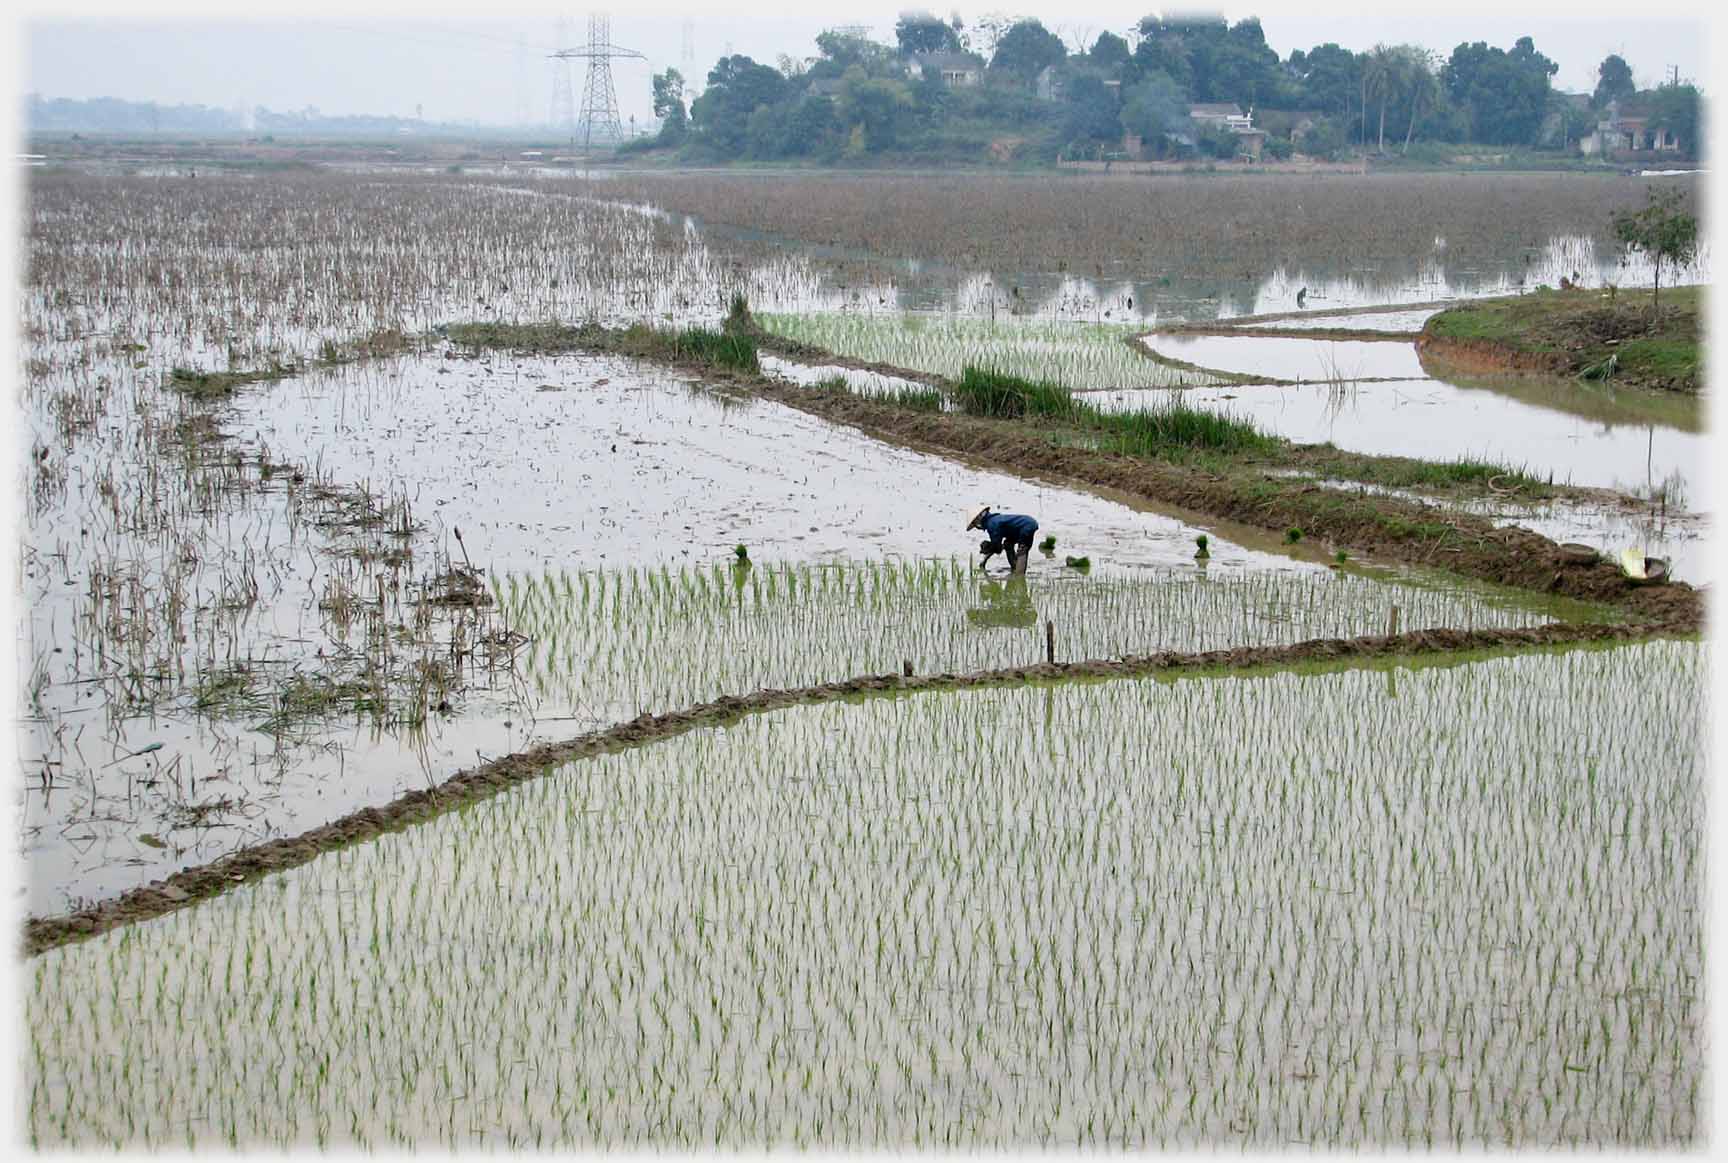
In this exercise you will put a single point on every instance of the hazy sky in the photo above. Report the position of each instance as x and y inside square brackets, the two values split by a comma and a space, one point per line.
[392, 57]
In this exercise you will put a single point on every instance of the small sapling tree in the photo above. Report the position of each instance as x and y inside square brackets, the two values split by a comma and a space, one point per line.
[1663, 230]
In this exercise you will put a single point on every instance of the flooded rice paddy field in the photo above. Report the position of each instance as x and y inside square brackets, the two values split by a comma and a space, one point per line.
[1452, 905]
[1683, 539]
[1202, 248]
[323, 655]
[1289, 358]
[388, 558]
[1438, 421]
[1079, 356]
[1410, 321]
[1359, 395]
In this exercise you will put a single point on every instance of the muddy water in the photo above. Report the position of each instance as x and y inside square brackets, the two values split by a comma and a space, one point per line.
[862, 381]
[552, 464]
[1616, 441]
[1287, 358]
[552, 467]
[1685, 540]
[1411, 321]
[588, 460]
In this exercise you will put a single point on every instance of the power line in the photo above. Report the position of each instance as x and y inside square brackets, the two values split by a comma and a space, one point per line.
[599, 116]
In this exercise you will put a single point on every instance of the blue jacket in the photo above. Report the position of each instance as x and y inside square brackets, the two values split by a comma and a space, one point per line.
[1010, 527]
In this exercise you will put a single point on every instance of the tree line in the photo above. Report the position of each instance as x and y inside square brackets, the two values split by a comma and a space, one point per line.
[944, 90]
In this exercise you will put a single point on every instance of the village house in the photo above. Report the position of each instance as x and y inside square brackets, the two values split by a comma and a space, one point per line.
[1229, 116]
[958, 70]
[1627, 130]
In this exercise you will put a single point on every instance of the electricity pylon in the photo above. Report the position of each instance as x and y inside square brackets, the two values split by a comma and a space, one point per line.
[598, 120]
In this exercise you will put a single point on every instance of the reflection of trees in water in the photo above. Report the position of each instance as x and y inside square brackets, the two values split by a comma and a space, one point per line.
[1005, 604]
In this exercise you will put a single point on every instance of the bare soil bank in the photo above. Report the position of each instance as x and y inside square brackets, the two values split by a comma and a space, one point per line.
[191, 885]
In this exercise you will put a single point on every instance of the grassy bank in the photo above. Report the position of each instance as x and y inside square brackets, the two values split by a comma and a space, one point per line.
[1621, 336]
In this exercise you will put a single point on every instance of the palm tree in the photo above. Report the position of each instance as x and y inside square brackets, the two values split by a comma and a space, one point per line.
[1420, 83]
[1380, 79]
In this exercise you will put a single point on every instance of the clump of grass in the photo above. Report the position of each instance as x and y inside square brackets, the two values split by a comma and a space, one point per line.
[1292, 535]
[1201, 551]
[1080, 563]
[1409, 472]
[202, 385]
[741, 554]
[311, 697]
[918, 399]
[229, 691]
[1048, 545]
[981, 392]
[725, 349]
[1341, 557]
[738, 319]
[527, 337]
[1160, 430]
[1177, 427]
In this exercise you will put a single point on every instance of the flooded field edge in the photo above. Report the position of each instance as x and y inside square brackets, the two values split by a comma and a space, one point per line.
[1462, 544]
[192, 885]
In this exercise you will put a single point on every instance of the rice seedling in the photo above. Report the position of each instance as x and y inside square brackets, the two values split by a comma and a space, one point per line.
[1285, 905]
[605, 645]
[863, 924]
[1069, 354]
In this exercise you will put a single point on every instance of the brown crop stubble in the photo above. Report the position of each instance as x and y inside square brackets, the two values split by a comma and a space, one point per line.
[1215, 226]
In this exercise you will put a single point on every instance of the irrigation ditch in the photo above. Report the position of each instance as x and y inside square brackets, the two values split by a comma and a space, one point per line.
[192, 885]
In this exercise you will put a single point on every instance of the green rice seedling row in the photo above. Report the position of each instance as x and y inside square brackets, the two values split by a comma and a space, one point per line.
[606, 645]
[1452, 906]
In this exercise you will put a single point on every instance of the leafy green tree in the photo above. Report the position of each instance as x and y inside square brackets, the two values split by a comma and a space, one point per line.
[1025, 50]
[878, 105]
[1216, 141]
[1327, 140]
[1090, 112]
[1164, 48]
[737, 87]
[811, 127]
[921, 32]
[1380, 77]
[1675, 108]
[1210, 59]
[839, 52]
[1664, 230]
[765, 131]
[1505, 94]
[1328, 78]
[1243, 68]
[669, 106]
[1108, 54]
[1156, 109]
[1613, 81]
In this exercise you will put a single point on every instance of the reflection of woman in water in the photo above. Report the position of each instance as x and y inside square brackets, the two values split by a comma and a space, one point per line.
[1007, 605]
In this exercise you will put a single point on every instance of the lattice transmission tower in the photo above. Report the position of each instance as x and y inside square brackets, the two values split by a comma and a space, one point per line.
[598, 121]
